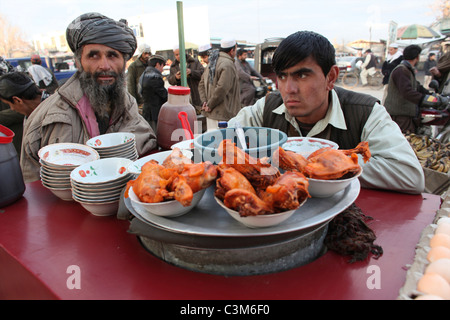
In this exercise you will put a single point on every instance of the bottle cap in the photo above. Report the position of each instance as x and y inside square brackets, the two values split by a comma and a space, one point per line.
[179, 91]
[223, 124]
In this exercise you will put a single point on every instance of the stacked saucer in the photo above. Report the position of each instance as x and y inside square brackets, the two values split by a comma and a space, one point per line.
[115, 145]
[98, 185]
[57, 162]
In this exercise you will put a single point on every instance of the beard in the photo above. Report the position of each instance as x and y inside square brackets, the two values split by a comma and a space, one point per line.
[104, 98]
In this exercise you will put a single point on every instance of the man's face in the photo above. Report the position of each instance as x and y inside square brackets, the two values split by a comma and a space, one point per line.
[304, 89]
[177, 54]
[159, 66]
[243, 56]
[103, 62]
[392, 51]
[145, 56]
[19, 105]
[205, 58]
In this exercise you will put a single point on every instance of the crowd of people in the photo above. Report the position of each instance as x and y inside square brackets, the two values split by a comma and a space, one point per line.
[102, 98]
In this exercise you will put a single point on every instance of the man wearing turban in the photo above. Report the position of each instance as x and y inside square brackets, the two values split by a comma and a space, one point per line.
[93, 101]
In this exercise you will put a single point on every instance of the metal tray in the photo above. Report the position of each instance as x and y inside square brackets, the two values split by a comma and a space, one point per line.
[208, 219]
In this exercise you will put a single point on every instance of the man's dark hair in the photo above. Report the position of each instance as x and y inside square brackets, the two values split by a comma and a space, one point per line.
[153, 62]
[227, 50]
[20, 79]
[299, 46]
[411, 52]
[241, 51]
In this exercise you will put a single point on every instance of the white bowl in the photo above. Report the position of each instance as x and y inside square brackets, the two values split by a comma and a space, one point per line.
[166, 209]
[135, 167]
[327, 188]
[305, 145]
[63, 194]
[67, 154]
[101, 209]
[184, 145]
[111, 140]
[260, 221]
[101, 171]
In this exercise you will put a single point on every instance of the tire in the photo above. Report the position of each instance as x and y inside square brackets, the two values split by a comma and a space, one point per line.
[350, 80]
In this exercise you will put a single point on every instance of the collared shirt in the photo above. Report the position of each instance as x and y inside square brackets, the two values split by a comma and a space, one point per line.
[393, 165]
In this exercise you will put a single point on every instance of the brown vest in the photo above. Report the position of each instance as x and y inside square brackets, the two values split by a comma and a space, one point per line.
[356, 107]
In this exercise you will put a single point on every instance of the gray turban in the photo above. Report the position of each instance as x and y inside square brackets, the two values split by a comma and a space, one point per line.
[95, 28]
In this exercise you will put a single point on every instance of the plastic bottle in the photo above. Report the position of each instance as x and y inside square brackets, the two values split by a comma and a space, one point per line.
[12, 186]
[170, 129]
[223, 124]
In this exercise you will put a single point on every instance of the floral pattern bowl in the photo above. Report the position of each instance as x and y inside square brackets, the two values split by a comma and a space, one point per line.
[98, 185]
[111, 140]
[306, 145]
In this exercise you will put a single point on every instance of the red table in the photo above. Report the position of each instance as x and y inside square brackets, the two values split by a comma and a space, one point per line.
[41, 237]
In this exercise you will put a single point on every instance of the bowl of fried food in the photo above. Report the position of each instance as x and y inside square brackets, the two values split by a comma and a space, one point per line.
[328, 170]
[258, 142]
[170, 188]
[254, 192]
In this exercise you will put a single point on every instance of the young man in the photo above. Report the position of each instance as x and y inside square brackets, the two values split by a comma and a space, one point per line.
[95, 100]
[309, 104]
[153, 90]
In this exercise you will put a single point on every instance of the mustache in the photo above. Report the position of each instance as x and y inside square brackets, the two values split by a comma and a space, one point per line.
[96, 75]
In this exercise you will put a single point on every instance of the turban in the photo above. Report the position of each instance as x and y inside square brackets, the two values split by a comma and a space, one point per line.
[95, 28]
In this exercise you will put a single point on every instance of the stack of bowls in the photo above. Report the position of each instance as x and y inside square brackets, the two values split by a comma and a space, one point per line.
[98, 185]
[57, 162]
[115, 145]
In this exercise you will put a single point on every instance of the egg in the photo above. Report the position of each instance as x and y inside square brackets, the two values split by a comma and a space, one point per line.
[437, 253]
[441, 267]
[443, 228]
[440, 240]
[434, 284]
[428, 297]
[443, 220]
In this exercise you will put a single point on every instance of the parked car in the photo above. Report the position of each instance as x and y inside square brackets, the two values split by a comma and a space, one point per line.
[347, 63]
[62, 70]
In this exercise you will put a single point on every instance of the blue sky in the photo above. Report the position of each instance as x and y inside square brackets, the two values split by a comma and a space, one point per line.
[252, 20]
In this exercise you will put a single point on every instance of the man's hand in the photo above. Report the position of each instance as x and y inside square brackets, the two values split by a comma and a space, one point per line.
[205, 107]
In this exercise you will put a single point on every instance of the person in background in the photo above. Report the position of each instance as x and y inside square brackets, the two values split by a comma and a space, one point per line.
[94, 100]
[136, 69]
[406, 95]
[309, 104]
[153, 90]
[22, 95]
[194, 71]
[441, 72]
[368, 67]
[44, 77]
[393, 59]
[8, 117]
[428, 65]
[246, 76]
[203, 53]
[219, 88]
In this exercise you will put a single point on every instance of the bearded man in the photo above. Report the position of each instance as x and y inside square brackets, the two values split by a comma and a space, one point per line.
[92, 102]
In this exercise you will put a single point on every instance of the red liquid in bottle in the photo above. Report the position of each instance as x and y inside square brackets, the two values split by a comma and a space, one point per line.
[169, 128]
